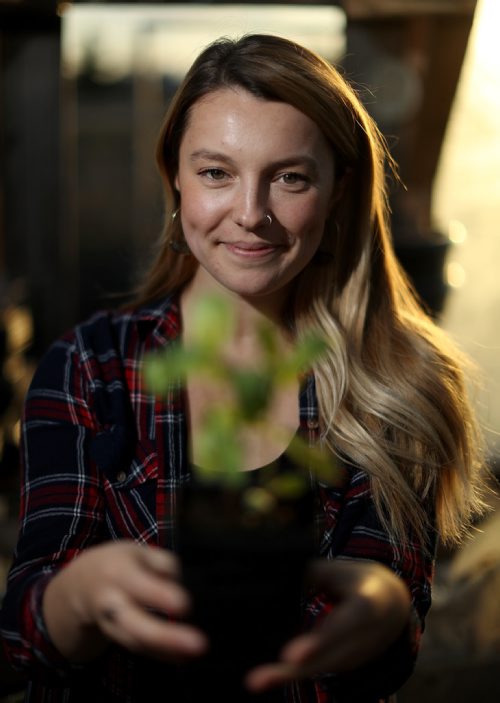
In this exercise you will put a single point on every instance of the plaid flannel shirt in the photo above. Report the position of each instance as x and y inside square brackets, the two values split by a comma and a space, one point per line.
[104, 460]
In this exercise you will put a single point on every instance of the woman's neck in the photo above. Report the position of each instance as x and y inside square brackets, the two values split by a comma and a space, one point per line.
[249, 317]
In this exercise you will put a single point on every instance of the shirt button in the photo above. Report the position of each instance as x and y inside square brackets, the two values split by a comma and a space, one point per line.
[121, 476]
[312, 424]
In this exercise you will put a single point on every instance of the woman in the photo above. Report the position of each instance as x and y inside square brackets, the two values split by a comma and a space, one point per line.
[274, 180]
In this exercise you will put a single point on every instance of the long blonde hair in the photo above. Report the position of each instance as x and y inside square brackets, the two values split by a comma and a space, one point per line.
[391, 390]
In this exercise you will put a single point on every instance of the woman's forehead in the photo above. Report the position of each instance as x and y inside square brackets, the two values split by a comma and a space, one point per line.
[236, 119]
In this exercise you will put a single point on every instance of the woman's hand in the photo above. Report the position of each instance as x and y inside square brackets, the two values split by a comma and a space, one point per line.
[117, 592]
[371, 608]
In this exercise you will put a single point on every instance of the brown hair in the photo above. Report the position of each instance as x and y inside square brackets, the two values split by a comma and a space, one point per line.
[391, 391]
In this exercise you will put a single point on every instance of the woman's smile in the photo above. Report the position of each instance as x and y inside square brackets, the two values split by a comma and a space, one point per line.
[248, 250]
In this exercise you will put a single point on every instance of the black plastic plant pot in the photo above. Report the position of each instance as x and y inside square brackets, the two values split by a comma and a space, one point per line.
[245, 573]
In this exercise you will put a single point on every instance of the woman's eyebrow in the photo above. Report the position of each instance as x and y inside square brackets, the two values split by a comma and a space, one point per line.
[292, 160]
[298, 160]
[210, 156]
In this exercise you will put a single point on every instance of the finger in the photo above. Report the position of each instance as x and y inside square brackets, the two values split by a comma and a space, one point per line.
[317, 652]
[158, 592]
[300, 649]
[292, 664]
[163, 561]
[149, 576]
[138, 630]
[341, 642]
[269, 676]
[344, 657]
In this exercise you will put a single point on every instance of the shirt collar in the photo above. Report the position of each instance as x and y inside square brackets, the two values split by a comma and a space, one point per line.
[160, 320]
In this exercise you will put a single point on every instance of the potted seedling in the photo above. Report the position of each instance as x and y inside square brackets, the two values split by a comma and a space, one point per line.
[244, 537]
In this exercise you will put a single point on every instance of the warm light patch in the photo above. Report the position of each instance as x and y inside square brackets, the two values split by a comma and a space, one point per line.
[457, 232]
[455, 274]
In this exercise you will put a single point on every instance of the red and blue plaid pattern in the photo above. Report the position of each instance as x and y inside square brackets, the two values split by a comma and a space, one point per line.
[104, 460]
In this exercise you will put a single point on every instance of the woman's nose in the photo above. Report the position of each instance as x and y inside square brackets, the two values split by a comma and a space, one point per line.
[251, 207]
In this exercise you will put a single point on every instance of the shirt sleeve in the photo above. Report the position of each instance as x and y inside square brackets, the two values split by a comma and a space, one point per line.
[61, 501]
[353, 530]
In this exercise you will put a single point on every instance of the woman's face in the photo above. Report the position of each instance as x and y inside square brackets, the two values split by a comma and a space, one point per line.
[242, 158]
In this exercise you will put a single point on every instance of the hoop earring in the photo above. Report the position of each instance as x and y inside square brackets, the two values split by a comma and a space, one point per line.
[180, 246]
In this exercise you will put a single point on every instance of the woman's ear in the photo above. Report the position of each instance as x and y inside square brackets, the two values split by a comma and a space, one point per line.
[340, 187]
[176, 182]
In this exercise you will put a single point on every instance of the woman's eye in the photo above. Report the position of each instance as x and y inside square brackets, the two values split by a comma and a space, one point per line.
[293, 179]
[214, 174]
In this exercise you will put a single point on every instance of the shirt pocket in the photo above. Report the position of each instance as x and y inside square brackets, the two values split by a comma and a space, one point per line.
[129, 469]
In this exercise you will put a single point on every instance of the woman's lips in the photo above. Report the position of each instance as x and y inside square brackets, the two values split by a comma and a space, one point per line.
[250, 251]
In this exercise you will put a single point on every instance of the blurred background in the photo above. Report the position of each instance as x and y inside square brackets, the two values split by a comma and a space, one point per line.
[83, 87]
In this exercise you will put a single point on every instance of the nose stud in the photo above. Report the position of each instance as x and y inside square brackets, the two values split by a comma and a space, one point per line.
[269, 219]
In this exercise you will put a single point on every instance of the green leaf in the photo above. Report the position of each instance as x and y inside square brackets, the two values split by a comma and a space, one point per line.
[259, 499]
[317, 458]
[171, 365]
[212, 321]
[156, 374]
[253, 392]
[269, 344]
[219, 445]
[305, 353]
[288, 485]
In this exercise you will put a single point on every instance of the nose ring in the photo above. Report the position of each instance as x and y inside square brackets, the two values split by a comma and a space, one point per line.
[269, 219]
